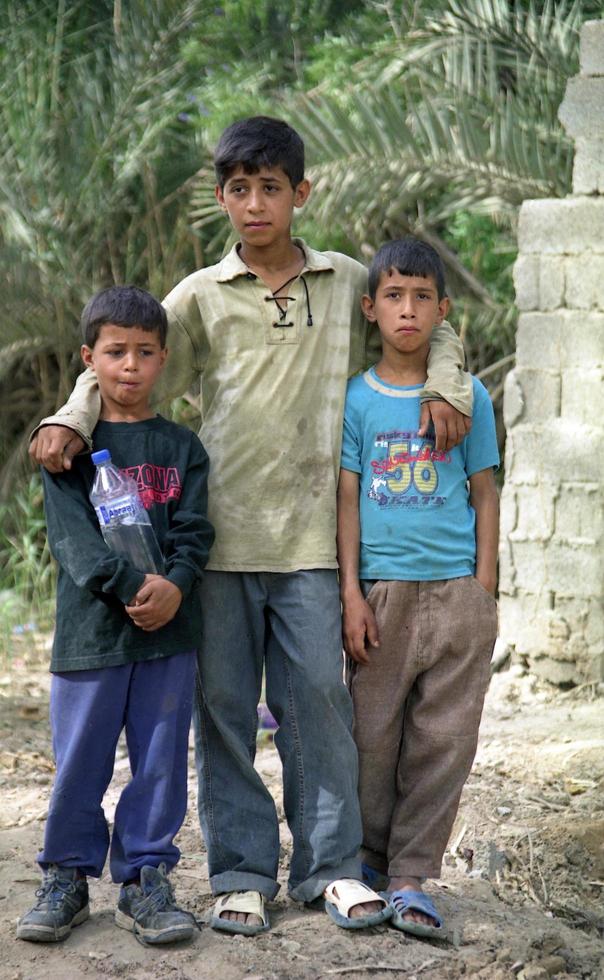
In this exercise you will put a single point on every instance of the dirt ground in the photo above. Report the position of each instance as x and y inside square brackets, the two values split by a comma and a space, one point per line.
[522, 892]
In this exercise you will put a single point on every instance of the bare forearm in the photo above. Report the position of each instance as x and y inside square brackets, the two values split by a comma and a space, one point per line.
[348, 533]
[485, 502]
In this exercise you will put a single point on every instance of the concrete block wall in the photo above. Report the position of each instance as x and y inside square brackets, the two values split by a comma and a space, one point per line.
[552, 506]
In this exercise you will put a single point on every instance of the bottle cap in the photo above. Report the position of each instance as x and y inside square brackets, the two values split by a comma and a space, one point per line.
[103, 456]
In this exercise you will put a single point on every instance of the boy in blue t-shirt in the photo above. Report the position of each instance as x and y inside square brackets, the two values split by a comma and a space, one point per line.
[417, 548]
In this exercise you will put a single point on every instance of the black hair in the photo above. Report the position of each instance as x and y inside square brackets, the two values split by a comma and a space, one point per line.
[259, 142]
[125, 306]
[410, 257]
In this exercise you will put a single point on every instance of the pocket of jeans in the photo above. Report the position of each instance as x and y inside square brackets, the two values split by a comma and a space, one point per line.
[369, 586]
[483, 591]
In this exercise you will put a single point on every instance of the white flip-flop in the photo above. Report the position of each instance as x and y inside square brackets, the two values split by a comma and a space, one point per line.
[249, 903]
[343, 894]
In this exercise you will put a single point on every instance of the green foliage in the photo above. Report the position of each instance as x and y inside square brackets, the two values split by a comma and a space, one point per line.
[436, 118]
[27, 570]
[446, 124]
[94, 166]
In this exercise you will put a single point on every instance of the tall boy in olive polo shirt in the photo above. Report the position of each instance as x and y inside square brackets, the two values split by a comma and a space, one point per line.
[274, 331]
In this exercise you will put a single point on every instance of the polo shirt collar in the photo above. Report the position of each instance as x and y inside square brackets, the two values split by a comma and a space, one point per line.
[233, 266]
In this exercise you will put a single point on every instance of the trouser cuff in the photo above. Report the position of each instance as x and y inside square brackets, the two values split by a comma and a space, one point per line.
[314, 886]
[243, 881]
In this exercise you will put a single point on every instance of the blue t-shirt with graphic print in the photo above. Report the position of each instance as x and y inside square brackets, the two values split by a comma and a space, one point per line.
[416, 519]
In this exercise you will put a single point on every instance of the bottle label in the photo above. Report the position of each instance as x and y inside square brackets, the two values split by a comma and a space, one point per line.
[117, 510]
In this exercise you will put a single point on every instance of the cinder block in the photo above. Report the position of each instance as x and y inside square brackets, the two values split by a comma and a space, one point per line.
[591, 48]
[567, 565]
[584, 276]
[555, 452]
[582, 398]
[540, 393]
[581, 339]
[586, 616]
[528, 559]
[595, 666]
[588, 166]
[568, 226]
[507, 572]
[508, 510]
[555, 671]
[581, 111]
[579, 512]
[526, 282]
[551, 282]
[552, 635]
[513, 406]
[523, 619]
[538, 340]
[535, 507]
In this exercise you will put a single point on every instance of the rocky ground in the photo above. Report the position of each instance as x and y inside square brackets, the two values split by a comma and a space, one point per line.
[522, 892]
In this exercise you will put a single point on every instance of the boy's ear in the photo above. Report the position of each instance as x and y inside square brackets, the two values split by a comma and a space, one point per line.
[219, 194]
[301, 193]
[368, 308]
[162, 356]
[87, 356]
[444, 306]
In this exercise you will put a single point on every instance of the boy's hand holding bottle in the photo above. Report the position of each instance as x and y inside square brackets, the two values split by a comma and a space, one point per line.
[155, 604]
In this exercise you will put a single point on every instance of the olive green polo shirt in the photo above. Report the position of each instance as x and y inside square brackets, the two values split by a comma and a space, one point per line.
[272, 399]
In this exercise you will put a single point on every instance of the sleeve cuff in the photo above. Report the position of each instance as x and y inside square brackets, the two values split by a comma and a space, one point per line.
[66, 423]
[183, 577]
[128, 584]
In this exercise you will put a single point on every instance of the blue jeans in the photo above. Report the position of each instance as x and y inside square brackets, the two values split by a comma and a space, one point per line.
[152, 700]
[288, 623]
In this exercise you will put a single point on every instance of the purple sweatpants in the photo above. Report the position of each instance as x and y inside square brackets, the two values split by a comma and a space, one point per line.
[152, 701]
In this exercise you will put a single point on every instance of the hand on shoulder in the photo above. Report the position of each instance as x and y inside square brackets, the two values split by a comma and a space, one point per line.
[54, 447]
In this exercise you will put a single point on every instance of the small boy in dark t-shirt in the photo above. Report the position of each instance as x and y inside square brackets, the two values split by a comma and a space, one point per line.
[124, 648]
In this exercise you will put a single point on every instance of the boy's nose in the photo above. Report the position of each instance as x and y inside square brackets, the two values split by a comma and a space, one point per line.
[254, 201]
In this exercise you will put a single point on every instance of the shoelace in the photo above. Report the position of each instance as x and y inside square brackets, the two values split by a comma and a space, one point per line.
[160, 899]
[52, 888]
[50, 893]
[291, 299]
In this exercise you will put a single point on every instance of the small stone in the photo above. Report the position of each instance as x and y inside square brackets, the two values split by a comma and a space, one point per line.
[504, 955]
[503, 811]
[290, 945]
[533, 972]
[553, 965]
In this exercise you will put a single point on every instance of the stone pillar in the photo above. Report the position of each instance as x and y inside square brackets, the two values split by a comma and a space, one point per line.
[552, 526]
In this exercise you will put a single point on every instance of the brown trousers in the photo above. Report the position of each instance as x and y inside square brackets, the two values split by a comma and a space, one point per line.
[417, 709]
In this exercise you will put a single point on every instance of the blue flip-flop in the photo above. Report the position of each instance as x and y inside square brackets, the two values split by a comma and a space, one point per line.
[407, 901]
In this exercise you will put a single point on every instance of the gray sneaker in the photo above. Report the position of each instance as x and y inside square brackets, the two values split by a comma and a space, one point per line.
[62, 903]
[150, 912]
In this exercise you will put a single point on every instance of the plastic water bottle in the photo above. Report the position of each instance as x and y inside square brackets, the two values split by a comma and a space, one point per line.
[124, 522]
